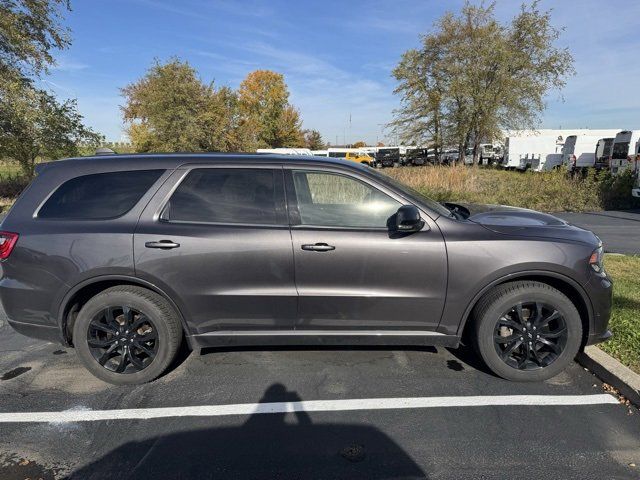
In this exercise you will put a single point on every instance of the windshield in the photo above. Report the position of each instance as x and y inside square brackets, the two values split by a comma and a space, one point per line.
[428, 202]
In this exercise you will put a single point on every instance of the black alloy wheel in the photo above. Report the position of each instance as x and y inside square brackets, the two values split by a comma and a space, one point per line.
[530, 335]
[122, 339]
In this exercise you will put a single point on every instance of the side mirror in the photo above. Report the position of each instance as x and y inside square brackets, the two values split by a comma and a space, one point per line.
[408, 219]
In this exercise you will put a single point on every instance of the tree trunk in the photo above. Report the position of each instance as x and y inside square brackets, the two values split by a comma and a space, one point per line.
[28, 166]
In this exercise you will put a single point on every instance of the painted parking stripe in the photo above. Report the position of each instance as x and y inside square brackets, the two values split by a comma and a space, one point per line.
[85, 415]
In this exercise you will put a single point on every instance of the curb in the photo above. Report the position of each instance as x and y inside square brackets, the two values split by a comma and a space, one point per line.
[611, 371]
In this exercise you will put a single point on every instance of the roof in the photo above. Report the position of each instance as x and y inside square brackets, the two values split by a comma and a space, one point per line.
[174, 160]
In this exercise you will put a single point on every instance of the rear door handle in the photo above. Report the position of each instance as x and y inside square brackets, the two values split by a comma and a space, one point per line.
[318, 247]
[164, 244]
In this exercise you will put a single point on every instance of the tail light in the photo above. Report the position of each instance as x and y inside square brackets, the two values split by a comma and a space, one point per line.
[7, 242]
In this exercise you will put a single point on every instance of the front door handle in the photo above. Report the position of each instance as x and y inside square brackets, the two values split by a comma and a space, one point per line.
[318, 247]
[164, 244]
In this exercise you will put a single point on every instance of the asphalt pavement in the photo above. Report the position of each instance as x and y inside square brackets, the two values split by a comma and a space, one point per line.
[456, 438]
[619, 230]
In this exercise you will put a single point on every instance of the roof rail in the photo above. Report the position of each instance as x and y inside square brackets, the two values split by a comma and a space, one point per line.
[104, 151]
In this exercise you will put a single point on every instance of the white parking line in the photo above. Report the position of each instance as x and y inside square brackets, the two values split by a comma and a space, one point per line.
[304, 406]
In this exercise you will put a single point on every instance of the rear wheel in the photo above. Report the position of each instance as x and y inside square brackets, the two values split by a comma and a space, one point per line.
[527, 331]
[127, 335]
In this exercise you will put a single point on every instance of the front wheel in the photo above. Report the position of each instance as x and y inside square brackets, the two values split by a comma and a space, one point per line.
[527, 331]
[127, 335]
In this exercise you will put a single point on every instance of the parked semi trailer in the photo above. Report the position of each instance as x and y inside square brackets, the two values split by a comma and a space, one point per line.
[579, 151]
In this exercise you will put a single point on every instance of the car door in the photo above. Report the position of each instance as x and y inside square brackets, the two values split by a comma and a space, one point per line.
[351, 271]
[216, 238]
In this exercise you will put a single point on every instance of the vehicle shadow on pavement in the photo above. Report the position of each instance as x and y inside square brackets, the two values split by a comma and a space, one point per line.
[265, 446]
[468, 356]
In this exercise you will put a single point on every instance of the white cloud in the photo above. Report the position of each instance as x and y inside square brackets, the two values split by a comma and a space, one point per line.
[67, 65]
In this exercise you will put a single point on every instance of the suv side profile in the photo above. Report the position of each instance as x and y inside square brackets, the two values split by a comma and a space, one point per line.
[126, 256]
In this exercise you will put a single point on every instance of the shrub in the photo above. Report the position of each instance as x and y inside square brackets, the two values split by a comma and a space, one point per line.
[11, 185]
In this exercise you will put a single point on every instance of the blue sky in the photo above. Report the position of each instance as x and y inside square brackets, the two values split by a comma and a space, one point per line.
[336, 56]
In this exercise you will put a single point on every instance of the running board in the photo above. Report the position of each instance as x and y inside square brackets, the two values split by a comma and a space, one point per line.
[323, 337]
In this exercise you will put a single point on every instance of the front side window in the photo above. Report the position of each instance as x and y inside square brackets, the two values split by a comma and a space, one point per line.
[333, 200]
[225, 195]
[99, 196]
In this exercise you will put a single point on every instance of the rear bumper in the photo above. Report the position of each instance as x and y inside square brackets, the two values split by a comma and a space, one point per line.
[41, 332]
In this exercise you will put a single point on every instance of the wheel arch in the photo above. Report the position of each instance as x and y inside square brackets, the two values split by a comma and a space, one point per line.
[83, 291]
[572, 289]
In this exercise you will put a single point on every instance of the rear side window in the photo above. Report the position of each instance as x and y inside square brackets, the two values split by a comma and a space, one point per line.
[226, 195]
[99, 196]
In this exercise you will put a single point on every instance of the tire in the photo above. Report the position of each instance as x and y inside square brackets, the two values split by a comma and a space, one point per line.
[497, 314]
[155, 315]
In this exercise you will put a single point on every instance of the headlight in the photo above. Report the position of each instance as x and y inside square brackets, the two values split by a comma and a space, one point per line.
[596, 260]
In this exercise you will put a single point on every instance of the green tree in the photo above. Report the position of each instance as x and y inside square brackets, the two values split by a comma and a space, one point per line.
[170, 109]
[267, 117]
[473, 76]
[313, 140]
[29, 31]
[421, 86]
[34, 125]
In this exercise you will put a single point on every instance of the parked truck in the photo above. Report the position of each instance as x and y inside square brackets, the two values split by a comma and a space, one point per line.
[625, 151]
[603, 152]
[579, 152]
[388, 157]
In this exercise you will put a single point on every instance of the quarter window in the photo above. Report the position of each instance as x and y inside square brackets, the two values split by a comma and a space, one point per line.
[99, 196]
[327, 199]
[225, 195]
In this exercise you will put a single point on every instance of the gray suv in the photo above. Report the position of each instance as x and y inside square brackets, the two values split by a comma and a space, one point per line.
[125, 256]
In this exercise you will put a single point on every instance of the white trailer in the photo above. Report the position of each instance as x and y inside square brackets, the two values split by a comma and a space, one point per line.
[538, 149]
[530, 150]
[320, 153]
[579, 151]
[625, 151]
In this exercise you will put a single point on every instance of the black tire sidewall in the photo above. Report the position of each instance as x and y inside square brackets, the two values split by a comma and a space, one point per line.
[103, 300]
[552, 297]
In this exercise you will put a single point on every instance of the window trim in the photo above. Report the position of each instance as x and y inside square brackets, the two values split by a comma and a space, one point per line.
[292, 201]
[281, 204]
[162, 177]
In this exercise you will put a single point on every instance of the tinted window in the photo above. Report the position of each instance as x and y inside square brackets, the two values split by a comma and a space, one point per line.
[99, 196]
[216, 195]
[333, 200]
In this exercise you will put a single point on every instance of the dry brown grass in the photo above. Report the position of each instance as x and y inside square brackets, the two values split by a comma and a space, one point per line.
[547, 191]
